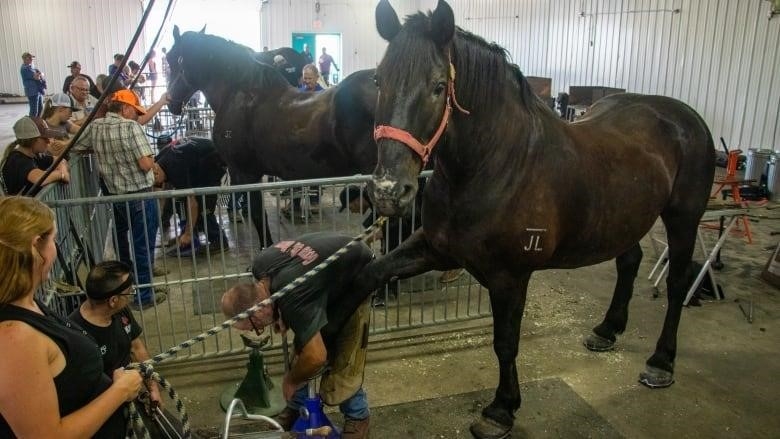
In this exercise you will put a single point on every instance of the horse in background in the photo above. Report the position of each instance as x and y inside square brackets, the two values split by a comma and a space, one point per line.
[515, 189]
[263, 125]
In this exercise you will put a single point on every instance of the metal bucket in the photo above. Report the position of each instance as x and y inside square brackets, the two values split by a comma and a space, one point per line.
[756, 163]
[773, 177]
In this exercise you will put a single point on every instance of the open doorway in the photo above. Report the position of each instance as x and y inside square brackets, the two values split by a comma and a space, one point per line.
[331, 42]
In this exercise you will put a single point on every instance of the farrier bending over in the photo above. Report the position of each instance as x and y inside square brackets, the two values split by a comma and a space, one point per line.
[330, 328]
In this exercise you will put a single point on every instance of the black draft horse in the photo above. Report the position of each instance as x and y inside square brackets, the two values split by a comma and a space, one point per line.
[264, 126]
[515, 189]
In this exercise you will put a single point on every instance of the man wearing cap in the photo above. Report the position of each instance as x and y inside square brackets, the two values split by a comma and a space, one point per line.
[25, 159]
[75, 72]
[287, 70]
[34, 84]
[330, 328]
[104, 315]
[125, 161]
[194, 163]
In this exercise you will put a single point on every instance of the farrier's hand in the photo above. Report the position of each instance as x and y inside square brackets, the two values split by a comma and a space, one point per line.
[185, 239]
[289, 387]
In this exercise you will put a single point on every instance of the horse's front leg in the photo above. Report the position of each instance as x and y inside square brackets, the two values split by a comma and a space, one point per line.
[507, 299]
[412, 257]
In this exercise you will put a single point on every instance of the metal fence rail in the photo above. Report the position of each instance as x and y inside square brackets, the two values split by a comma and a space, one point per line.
[197, 275]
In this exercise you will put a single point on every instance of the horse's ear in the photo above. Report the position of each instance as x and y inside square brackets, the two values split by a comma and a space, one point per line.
[176, 33]
[442, 23]
[387, 22]
[203, 31]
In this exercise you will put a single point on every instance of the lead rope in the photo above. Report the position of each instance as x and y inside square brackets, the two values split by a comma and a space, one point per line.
[146, 368]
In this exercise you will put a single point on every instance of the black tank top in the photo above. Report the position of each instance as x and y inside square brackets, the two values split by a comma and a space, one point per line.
[82, 379]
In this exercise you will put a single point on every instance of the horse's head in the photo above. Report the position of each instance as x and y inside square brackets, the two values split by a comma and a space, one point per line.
[415, 81]
[182, 59]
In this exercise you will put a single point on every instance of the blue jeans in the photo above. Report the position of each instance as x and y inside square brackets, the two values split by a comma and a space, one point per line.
[142, 224]
[355, 407]
[36, 105]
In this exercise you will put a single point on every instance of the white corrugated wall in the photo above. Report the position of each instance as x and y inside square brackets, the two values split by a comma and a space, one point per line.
[60, 31]
[719, 56]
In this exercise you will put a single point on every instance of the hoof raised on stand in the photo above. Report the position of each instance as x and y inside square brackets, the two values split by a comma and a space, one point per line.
[486, 428]
[597, 343]
[656, 378]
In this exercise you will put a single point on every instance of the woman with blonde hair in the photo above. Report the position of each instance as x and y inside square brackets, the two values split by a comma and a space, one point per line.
[51, 373]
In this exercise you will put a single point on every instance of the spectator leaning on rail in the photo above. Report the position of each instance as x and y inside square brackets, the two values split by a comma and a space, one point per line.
[329, 326]
[52, 383]
[125, 160]
[83, 102]
[25, 159]
[194, 163]
[57, 112]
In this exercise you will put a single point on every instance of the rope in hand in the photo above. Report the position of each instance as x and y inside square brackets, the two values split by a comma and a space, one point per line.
[146, 368]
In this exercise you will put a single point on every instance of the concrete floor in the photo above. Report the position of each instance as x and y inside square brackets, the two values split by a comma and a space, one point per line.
[726, 368]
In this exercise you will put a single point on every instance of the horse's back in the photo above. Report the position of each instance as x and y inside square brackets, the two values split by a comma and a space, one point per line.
[633, 157]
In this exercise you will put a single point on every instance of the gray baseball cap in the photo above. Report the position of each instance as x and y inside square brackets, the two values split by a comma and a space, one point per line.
[62, 100]
[31, 127]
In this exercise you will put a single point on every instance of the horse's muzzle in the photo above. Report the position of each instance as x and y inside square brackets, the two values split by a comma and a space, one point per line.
[175, 107]
[391, 197]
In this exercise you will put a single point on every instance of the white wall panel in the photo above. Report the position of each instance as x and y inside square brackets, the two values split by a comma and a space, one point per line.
[60, 31]
[719, 56]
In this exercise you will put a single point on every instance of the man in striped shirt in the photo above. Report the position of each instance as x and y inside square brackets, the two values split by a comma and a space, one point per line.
[125, 160]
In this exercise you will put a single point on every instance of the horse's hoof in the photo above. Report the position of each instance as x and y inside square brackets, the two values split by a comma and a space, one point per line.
[597, 343]
[656, 378]
[486, 428]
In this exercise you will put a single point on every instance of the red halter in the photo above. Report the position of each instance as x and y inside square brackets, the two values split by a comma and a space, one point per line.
[403, 136]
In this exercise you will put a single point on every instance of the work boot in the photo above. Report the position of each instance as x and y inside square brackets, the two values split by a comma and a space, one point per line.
[286, 418]
[356, 428]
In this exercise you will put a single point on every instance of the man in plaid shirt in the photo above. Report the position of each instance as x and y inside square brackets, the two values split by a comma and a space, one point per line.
[125, 160]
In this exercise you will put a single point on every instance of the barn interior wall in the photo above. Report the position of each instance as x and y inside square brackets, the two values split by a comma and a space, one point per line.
[719, 56]
[60, 31]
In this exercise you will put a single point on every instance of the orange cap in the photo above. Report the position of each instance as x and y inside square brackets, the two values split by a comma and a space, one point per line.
[129, 98]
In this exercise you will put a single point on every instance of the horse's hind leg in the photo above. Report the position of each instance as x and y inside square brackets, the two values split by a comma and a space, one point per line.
[681, 235]
[604, 335]
[507, 300]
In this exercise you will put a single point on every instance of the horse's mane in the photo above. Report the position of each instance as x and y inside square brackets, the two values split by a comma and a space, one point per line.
[236, 61]
[482, 68]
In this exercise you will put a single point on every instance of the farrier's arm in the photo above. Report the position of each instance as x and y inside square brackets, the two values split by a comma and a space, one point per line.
[192, 218]
[307, 363]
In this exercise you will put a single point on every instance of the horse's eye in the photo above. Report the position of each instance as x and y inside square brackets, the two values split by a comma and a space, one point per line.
[440, 87]
[376, 81]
